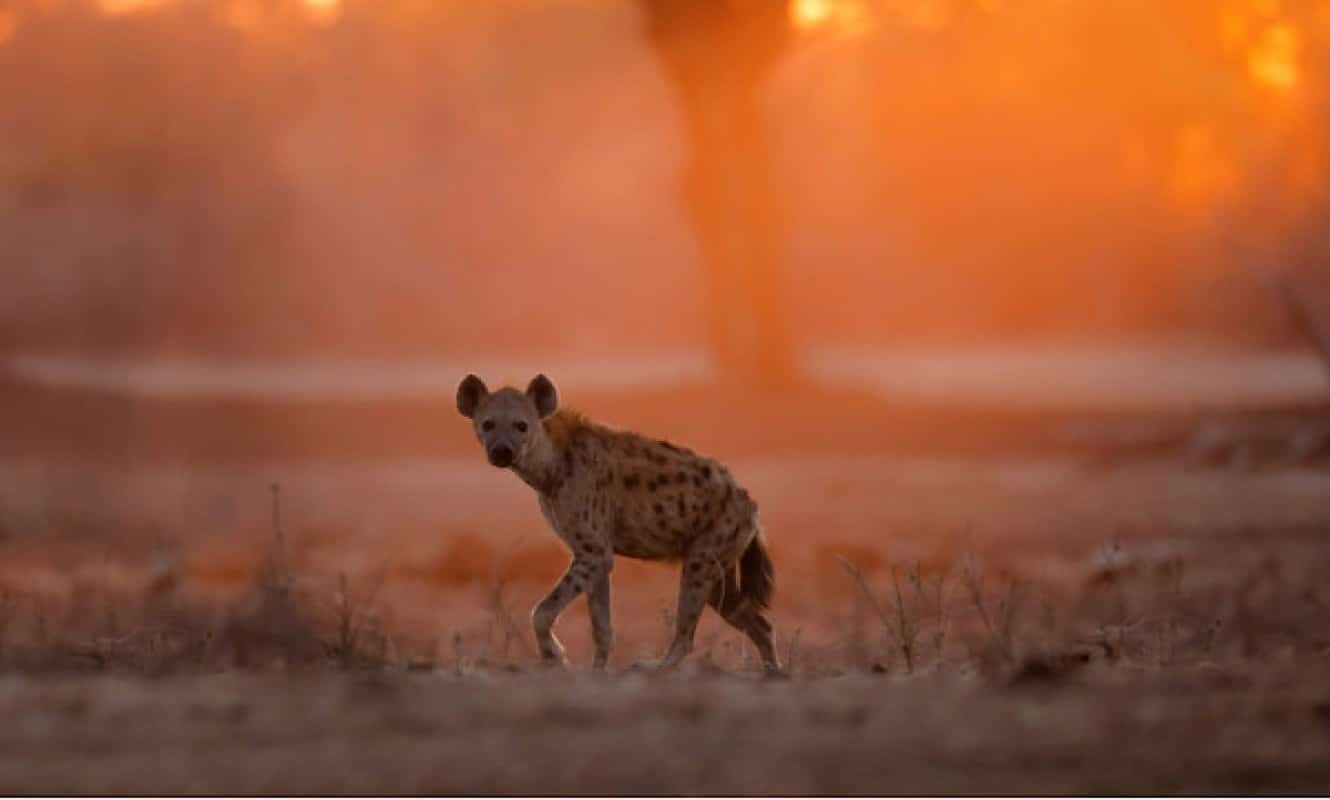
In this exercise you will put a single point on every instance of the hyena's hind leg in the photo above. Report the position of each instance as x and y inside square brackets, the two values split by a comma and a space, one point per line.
[747, 618]
[699, 576]
[602, 632]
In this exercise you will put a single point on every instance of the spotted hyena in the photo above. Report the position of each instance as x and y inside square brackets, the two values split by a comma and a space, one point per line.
[607, 492]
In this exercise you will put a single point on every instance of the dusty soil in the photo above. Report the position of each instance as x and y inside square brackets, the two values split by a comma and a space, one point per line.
[1195, 731]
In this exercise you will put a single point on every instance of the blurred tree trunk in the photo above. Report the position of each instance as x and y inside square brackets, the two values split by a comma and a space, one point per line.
[718, 55]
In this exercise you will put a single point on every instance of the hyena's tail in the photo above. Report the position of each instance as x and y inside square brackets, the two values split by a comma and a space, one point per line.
[757, 575]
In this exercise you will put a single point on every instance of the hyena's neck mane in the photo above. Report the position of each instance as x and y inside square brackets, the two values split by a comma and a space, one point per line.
[549, 459]
[563, 426]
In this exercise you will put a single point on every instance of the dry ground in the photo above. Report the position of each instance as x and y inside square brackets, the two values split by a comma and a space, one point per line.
[966, 613]
[1118, 731]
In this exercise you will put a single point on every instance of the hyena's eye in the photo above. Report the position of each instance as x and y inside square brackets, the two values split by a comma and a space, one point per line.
[487, 425]
[520, 426]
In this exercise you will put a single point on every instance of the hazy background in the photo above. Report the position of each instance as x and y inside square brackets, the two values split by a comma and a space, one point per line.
[390, 179]
[277, 232]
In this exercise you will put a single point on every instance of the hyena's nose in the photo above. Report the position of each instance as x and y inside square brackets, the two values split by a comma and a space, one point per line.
[501, 455]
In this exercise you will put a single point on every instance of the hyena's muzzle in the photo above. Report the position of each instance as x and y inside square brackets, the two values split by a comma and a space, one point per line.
[501, 454]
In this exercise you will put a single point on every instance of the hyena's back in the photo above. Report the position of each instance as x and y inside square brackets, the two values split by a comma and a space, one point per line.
[662, 498]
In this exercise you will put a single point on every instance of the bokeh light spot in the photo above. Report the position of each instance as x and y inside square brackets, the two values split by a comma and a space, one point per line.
[1273, 60]
[324, 11]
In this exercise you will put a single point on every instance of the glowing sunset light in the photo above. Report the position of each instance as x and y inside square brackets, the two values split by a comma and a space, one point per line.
[809, 14]
[8, 25]
[1273, 60]
[117, 7]
[324, 11]
[843, 17]
[1135, 130]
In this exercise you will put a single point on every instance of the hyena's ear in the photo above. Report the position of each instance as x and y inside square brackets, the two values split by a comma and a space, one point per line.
[470, 392]
[542, 392]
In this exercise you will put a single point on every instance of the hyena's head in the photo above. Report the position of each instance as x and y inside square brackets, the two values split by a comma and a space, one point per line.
[507, 421]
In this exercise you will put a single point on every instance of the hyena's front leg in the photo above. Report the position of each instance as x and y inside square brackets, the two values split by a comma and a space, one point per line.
[581, 575]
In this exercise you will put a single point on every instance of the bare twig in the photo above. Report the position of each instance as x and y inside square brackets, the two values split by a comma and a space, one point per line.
[353, 615]
[276, 577]
[499, 606]
[906, 629]
[934, 594]
[1000, 629]
[898, 622]
[793, 649]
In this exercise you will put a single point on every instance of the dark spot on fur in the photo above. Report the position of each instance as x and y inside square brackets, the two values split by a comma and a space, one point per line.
[683, 507]
[706, 472]
[568, 459]
[658, 508]
[631, 481]
[681, 477]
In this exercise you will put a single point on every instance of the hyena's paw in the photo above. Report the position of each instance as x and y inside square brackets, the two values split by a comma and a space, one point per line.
[552, 656]
[554, 662]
